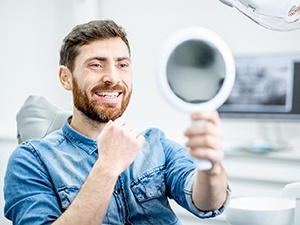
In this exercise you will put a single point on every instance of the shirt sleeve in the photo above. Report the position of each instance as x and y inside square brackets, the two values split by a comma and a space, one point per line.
[192, 208]
[28, 192]
[181, 174]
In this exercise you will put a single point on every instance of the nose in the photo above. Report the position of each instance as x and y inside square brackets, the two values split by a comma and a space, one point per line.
[111, 75]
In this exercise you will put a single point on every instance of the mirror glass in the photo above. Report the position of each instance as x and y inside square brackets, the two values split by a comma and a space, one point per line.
[195, 71]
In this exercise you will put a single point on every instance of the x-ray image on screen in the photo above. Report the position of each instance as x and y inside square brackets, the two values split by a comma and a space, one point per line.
[263, 84]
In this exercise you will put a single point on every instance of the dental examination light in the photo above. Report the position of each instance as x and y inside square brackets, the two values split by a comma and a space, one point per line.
[279, 15]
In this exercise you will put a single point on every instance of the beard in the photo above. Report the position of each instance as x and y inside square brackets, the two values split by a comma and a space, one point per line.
[91, 108]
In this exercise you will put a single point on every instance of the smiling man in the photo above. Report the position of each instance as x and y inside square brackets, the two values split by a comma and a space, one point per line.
[97, 169]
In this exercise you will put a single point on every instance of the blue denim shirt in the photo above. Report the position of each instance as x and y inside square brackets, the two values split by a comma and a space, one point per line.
[44, 176]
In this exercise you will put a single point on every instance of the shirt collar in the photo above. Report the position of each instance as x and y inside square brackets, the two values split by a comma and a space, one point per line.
[81, 141]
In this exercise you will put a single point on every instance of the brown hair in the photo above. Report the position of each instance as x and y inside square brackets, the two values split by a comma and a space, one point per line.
[86, 33]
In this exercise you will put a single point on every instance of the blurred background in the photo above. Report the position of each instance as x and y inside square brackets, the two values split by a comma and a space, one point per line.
[31, 35]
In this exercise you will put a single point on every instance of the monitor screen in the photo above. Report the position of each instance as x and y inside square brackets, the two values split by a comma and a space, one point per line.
[266, 87]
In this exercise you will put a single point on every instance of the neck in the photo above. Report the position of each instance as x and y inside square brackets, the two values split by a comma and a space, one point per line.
[86, 126]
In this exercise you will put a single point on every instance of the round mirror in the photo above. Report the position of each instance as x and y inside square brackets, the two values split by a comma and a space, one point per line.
[196, 71]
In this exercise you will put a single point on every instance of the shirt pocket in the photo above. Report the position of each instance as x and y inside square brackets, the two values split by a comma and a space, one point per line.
[150, 193]
[150, 185]
[66, 195]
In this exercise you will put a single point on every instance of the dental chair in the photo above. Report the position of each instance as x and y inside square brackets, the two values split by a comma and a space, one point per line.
[37, 118]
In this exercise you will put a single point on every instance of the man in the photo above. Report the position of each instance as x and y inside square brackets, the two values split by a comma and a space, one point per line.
[97, 169]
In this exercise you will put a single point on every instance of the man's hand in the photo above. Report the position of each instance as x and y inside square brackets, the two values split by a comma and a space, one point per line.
[206, 142]
[205, 139]
[118, 145]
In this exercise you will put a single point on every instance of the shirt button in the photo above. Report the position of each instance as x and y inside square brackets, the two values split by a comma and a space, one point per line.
[117, 191]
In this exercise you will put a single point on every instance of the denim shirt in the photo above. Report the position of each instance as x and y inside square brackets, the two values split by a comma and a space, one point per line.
[44, 176]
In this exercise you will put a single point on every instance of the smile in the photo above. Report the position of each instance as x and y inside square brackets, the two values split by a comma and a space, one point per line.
[114, 94]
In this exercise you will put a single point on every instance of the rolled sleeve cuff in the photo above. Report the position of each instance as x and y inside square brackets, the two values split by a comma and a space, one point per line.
[193, 209]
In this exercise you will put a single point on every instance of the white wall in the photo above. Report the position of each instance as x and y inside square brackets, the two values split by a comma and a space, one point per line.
[32, 31]
[148, 23]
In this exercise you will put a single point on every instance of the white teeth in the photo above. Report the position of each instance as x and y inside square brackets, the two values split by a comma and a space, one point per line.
[108, 94]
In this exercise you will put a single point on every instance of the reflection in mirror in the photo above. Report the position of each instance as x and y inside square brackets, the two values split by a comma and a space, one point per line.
[195, 71]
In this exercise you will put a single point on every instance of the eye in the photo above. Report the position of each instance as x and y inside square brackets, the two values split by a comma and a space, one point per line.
[95, 65]
[124, 64]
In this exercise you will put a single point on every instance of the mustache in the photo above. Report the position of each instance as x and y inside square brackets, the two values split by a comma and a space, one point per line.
[109, 87]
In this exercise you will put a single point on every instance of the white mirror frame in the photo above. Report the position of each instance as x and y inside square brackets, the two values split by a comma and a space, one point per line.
[210, 38]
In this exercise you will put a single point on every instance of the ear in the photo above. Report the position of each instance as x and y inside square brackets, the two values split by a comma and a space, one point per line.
[65, 77]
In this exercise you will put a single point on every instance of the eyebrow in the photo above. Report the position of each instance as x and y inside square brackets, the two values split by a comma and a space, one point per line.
[124, 58]
[103, 59]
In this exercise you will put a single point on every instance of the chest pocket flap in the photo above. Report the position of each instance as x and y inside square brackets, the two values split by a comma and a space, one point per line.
[150, 185]
[67, 195]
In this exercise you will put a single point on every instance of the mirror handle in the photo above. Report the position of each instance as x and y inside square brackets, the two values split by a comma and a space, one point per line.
[202, 164]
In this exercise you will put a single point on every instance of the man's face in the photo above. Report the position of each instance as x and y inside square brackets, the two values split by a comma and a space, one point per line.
[102, 79]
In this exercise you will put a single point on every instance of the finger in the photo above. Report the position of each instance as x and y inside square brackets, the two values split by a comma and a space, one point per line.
[205, 141]
[207, 153]
[140, 140]
[134, 133]
[203, 128]
[211, 116]
[127, 127]
[120, 121]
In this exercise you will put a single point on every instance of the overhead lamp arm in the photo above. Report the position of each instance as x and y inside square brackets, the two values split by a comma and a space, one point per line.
[279, 15]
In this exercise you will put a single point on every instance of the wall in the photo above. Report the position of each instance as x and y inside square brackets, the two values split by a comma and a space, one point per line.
[32, 31]
[148, 24]
[31, 34]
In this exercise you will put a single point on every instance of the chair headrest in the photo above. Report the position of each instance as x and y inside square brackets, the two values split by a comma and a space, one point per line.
[37, 118]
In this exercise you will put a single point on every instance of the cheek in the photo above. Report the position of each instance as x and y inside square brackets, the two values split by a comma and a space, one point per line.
[128, 82]
[82, 82]
[79, 87]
